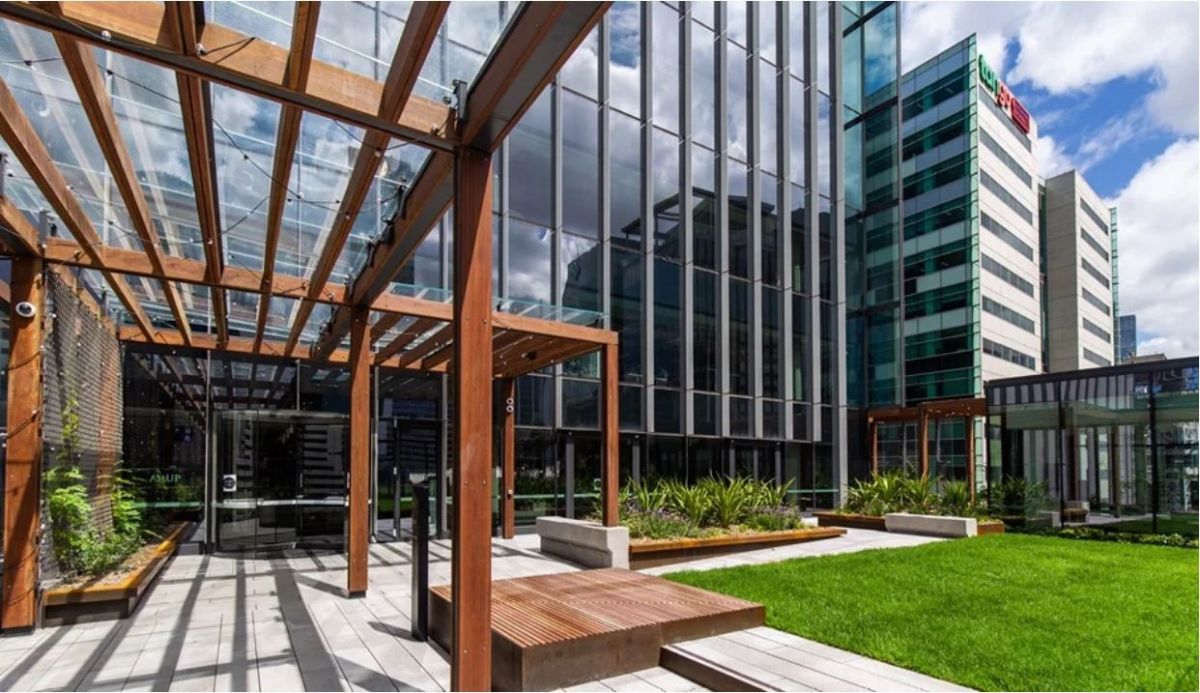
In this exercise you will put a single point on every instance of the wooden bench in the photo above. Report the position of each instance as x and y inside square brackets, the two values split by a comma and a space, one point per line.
[551, 631]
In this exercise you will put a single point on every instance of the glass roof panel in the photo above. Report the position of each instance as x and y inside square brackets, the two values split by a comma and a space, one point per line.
[146, 104]
[243, 312]
[244, 130]
[468, 34]
[344, 26]
[269, 21]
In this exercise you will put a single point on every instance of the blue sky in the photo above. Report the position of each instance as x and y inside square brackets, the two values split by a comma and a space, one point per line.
[1114, 89]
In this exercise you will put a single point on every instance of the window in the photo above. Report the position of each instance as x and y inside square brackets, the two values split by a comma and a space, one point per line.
[581, 165]
[1095, 301]
[1097, 330]
[1005, 196]
[529, 264]
[1094, 358]
[578, 272]
[666, 193]
[704, 331]
[531, 197]
[667, 325]
[665, 66]
[1005, 235]
[625, 204]
[1007, 275]
[704, 85]
[1094, 244]
[1087, 209]
[627, 312]
[1008, 315]
[704, 232]
[1012, 164]
[1009, 354]
[1096, 274]
[625, 59]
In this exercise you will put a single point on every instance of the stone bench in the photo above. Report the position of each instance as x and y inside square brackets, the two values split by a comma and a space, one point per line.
[589, 544]
[931, 525]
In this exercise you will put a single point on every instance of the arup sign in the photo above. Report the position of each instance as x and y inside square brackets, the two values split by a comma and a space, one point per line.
[1004, 98]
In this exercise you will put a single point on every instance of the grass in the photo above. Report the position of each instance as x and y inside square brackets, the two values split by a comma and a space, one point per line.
[1008, 612]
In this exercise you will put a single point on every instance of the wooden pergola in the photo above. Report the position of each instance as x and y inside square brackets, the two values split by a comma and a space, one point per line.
[967, 409]
[468, 338]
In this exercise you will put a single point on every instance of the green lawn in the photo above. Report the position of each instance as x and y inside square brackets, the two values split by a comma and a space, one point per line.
[1009, 612]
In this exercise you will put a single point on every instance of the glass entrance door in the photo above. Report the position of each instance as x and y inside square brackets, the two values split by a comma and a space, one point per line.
[280, 481]
[406, 447]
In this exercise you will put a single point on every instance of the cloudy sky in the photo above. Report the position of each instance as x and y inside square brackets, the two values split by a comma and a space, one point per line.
[1114, 89]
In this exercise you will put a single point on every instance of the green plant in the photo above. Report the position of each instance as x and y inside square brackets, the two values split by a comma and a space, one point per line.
[919, 496]
[877, 496]
[956, 499]
[769, 495]
[659, 524]
[731, 499]
[775, 519]
[647, 498]
[693, 502]
[70, 516]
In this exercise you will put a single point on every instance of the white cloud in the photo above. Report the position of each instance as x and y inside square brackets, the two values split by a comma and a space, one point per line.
[1159, 226]
[1052, 158]
[1073, 46]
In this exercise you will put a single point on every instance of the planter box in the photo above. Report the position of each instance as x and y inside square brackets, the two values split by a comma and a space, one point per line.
[831, 519]
[932, 525]
[589, 544]
[666, 551]
[102, 602]
[994, 527]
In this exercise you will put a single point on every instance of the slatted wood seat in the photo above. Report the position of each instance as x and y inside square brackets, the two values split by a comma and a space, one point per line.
[551, 631]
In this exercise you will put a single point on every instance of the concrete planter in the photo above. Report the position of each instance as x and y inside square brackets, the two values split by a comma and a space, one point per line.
[932, 525]
[589, 544]
[850, 520]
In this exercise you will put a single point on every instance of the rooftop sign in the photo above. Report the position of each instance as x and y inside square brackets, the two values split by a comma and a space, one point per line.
[1004, 98]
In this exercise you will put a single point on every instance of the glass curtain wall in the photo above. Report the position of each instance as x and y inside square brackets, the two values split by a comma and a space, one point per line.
[873, 240]
[649, 183]
[1112, 447]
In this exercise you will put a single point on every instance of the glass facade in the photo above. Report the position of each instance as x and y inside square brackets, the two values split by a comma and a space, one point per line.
[649, 183]
[1112, 446]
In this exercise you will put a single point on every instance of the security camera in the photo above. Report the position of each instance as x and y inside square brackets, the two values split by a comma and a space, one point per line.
[26, 309]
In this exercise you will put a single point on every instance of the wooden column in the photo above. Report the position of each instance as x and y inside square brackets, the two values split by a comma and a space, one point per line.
[969, 422]
[471, 547]
[508, 465]
[358, 521]
[873, 425]
[923, 441]
[23, 453]
[610, 437]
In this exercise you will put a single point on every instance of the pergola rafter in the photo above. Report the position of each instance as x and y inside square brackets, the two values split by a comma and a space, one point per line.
[420, 29]
[537, 42]
[147, 31]
[179, 23]
[287, 134]
[25, 144]
[93, 95]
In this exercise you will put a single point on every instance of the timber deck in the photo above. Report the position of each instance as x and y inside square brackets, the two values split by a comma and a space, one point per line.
[551, 631]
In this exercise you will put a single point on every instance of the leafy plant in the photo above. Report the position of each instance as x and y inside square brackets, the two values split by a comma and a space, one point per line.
[659, 524]
[775, 519]
[1014, 496]
[918, 495]
[956, 499]
[731, 499]
[647, 498]
[693, 502]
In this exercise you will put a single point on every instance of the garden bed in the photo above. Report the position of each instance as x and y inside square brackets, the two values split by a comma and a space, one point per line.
[990, 527]
[850, 520]
[115, 594]
[646, 553]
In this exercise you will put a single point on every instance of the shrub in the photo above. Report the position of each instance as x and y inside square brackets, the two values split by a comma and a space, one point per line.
[1014, 496]
[1097, 534]
[775, 519]
[692, 502]
[956, 499]
[731, 499]
[647, 498]
[659, 524]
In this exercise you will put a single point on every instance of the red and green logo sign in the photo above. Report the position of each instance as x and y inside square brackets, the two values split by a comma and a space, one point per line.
[1004, 97]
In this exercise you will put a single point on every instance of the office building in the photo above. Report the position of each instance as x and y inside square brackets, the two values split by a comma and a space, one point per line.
[1079, 284]
[679, 181]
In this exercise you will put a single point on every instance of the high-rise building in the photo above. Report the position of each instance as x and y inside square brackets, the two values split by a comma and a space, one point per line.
[684, 177]
[1079, 285]
[1127, 338]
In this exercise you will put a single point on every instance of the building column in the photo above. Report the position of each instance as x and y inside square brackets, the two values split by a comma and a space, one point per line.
[359, 477]
[471, 543]
[508, 459]
[969, 423]
[923, 441]
[873, 425]
[610, 449]
[23, 454]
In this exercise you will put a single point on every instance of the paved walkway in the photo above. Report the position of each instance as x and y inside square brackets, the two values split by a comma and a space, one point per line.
[219, 623]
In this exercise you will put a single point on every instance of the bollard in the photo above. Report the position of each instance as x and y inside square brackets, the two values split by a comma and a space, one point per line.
[420, 557]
